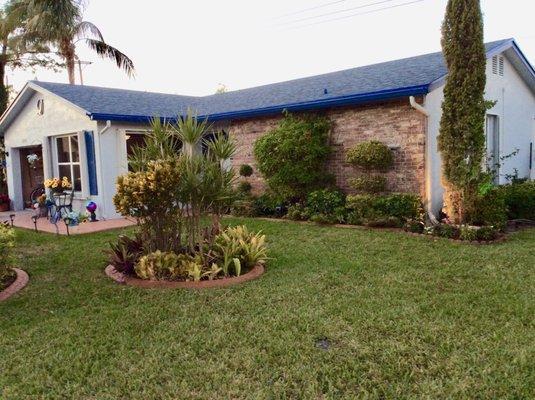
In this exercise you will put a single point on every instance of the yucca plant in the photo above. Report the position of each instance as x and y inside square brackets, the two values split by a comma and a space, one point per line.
[191, 131]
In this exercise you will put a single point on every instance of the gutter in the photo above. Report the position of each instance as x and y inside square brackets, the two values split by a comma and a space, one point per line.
[292, 107]
[422, 110]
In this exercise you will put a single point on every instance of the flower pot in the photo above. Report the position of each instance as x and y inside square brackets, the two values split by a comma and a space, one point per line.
[4, 207]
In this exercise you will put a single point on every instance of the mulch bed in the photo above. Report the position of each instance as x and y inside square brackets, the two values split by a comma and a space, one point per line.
[123, 279]
[18, 282]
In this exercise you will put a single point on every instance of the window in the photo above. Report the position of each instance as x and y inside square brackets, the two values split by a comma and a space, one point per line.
[68, 160]
[493, 144]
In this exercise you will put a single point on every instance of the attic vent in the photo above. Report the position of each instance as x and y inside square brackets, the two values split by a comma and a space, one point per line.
[497, 65]
[40, 107]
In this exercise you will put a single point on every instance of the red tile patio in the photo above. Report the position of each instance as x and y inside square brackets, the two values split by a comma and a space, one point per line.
[23, 219]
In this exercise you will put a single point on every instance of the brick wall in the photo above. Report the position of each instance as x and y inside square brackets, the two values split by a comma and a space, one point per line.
[394, 123]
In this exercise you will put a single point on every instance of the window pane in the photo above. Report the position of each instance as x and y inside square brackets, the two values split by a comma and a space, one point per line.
[74, 149]
[65, 170]
[63, 149]
[77, 178]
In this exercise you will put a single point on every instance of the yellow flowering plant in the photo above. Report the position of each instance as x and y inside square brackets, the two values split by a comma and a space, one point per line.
[57, 185]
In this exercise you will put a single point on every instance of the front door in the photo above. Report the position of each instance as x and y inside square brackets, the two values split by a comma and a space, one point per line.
[31, 162]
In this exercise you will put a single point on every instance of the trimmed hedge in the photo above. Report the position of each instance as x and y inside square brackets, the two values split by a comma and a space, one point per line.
[519, 199]
[376, 209]
[369, 184]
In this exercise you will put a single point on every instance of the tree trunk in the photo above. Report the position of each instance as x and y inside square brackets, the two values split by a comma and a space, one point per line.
[4, 93]
[68, 52]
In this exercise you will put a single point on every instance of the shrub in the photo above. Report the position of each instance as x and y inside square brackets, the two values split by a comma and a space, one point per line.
[244, 208]
[246, 170]
[488, 209]
[124, 254]
[236, 248]
[268, 205]
[372, 155]
[369, 184]
[414, 226]
[159, 265]
[325, 201]
[447, 231]
[520, 200]
[7, 241]
[292, 157]
[402, 206]
[244, 187]
[298, 212]
[469, 233]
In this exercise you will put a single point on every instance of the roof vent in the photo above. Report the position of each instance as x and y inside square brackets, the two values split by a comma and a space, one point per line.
[498, 65]
[40, 107]
[325, 91]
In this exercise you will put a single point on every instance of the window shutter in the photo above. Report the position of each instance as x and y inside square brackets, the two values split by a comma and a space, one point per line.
[91, 162]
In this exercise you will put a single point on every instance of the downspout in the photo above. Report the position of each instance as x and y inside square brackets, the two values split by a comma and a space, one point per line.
[102, 191]
[422, 110]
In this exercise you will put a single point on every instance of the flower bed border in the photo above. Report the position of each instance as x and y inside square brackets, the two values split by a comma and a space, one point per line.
[20, 283]
[123, 279]
[500, 239]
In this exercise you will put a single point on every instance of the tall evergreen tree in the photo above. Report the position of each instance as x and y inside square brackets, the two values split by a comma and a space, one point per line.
[462, 138]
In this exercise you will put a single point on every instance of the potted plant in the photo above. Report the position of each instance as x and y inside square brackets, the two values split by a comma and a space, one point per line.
[5, 202]
[57, 185]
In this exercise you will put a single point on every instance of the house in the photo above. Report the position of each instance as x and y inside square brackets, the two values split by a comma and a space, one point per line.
[86, 133]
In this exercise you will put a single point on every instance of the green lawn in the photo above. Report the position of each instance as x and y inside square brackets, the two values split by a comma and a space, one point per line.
[405, 317]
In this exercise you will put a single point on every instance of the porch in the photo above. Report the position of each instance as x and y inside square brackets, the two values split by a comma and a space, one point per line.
[23, 219]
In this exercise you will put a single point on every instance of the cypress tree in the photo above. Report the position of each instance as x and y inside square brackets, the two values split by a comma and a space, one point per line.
[462, 139]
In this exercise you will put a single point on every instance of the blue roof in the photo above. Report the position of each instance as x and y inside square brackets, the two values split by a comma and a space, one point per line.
[409, 76]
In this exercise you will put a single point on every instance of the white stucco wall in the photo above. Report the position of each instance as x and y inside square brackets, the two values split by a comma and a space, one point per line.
[515, 108]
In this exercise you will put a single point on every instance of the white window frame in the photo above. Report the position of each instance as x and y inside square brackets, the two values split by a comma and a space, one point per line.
[496, 142]
[71, 163]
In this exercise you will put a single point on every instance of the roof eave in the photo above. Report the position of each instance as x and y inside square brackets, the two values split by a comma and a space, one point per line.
[340, 101]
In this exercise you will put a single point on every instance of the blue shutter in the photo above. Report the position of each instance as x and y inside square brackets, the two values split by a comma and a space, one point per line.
[91, 163]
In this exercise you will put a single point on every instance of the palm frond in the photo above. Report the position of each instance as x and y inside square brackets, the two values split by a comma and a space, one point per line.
[106, 51]
[86, 27]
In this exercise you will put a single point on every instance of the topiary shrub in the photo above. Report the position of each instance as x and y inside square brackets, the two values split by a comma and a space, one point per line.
[369, 184]
[244, 187]
[292, 157]
[372, 155]
[246, 170]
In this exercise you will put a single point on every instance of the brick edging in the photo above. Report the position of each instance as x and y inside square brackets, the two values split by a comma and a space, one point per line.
[122, 279]
[20, 283]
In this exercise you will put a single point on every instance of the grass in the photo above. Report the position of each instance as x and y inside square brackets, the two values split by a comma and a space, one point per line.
[340, 313]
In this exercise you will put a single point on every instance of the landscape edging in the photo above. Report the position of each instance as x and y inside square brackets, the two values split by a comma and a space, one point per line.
[20, 283]
[122, 279]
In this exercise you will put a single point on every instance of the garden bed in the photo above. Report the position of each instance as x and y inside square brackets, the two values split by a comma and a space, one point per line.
[15, 284]
[129, 280]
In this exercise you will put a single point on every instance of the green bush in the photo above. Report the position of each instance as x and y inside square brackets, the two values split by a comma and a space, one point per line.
[244, 187]
[414, 226]
[325, 201]
[369, 184]
[125, 253]
[447, 231]
[323, 218]
[268, 205]
[244, 208]
[372, 155]
[488, 209]
[292, 157]
[298, 212]
[520, 200]
[377, 209]
[246, 170]
[7, 241]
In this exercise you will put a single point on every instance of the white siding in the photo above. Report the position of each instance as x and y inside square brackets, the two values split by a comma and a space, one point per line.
[515, 108]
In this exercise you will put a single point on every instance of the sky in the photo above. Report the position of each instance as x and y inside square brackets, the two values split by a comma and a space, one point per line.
[191, 47]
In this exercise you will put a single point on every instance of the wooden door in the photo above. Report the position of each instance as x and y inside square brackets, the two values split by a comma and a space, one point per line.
[32, 173]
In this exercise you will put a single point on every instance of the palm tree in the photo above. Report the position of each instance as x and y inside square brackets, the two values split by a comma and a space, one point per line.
[60, 23]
